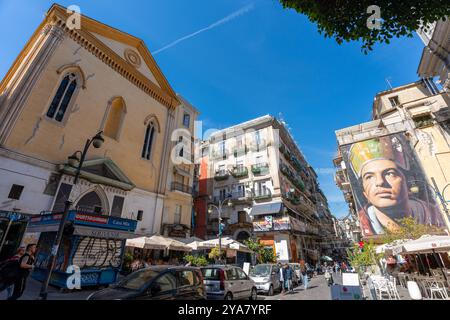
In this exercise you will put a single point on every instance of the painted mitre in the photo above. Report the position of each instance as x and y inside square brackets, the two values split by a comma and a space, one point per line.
[382, 148]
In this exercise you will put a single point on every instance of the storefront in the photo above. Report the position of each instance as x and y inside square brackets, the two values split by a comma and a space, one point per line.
[96, 247]
[12, 228]
[274, 230]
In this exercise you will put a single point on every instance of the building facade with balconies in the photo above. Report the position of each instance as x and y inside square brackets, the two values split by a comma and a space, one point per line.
[178, 204]
[274, 191]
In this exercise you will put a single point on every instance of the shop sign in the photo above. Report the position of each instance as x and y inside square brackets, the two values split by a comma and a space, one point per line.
[281, 223]
[339, 292]
[264, 224]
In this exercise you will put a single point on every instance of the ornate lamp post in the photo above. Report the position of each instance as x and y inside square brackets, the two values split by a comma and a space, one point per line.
[73, 161]
[219, 210]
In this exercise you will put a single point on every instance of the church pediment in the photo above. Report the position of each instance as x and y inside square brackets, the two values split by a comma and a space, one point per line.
[102, 171]
[129, 54]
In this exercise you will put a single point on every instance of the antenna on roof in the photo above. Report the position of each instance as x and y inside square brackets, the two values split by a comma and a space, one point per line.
[388, 81]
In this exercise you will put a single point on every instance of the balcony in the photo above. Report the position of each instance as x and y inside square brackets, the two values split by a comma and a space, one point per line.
[262, 194]
[221, 175]
[176, 186]
[241, 197]
[240, 151]
[257, 146]
[218, 155]
[239, 172]
[260, 168]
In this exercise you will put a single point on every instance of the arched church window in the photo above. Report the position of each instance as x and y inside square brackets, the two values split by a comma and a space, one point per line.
[150, 134]
[62, 98]
[115, 118]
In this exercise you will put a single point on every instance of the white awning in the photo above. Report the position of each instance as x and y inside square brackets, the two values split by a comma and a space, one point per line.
[266, 208]
[424, 244]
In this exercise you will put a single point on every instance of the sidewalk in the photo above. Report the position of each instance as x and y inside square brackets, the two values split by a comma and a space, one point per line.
[33, 288]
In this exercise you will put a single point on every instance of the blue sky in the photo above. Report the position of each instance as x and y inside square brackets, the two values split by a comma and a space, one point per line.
[242, 59]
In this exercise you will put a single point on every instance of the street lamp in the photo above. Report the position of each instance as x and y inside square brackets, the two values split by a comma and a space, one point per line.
[73, 161]
[219, 210]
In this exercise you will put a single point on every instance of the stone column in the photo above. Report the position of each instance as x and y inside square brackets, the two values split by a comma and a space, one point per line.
[22, 82]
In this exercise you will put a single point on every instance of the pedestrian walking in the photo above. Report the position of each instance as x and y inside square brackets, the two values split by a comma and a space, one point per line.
[280, 268]
[287, 276]
[329, 276]
[304, 272]
[20, 252]
[26, 265]
[343, 267]
[9, 271]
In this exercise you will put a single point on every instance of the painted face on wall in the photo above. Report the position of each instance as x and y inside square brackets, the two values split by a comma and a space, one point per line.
[383, 183]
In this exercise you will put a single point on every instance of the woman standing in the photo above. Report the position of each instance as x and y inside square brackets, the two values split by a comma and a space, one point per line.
[304, 272]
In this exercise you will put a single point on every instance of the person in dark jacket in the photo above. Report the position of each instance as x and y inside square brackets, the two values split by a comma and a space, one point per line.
[26, 264]
[287, 276]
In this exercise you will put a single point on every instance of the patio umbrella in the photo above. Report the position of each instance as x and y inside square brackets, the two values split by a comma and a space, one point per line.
[170, 244]
[326, 258]
[227, 243]
[145, 243]
[424, 244]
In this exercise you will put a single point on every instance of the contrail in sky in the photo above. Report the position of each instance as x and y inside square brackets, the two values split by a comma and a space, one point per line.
[228, 18]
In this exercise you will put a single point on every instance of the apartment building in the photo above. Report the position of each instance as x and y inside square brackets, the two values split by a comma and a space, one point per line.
[178, 204]
[258, 176]
[435, 59]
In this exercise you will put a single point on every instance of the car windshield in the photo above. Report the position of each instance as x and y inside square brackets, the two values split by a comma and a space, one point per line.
[261, 270]
[211, 274]
[136, 281]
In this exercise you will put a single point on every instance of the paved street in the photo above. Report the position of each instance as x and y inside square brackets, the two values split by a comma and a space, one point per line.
[33, 288]
[317, 290]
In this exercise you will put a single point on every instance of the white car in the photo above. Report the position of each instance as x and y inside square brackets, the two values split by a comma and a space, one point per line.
[266, 278]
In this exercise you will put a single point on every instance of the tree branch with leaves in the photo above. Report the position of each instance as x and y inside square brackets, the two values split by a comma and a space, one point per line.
[347, 20]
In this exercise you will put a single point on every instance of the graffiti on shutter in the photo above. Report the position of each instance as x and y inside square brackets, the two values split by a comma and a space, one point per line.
[97, 253]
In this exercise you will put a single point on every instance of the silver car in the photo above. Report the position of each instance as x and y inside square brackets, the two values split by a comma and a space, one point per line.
[266, 278]
[228, 283]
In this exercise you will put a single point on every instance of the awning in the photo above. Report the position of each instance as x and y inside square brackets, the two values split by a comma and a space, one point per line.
[267, 208]
[157, 242]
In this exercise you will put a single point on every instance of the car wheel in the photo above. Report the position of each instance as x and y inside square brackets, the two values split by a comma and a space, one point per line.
[254, 294]
[229, 296]
[270, 292]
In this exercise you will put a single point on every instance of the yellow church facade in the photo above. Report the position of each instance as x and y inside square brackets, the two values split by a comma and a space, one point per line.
[68, 84]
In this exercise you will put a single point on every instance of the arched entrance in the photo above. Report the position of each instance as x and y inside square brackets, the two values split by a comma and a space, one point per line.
[92, 202]
[242, 236]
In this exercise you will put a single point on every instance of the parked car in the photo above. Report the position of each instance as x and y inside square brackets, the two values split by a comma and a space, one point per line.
[266, 278]
[156, 283]
[228, 283]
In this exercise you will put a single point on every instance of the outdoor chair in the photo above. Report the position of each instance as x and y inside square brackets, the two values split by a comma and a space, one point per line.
[382, 288]
[392, 284]
[436, 288]
[402, 279]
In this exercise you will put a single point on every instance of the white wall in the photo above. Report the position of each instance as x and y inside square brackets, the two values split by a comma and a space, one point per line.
[147, 202]
[33, 178]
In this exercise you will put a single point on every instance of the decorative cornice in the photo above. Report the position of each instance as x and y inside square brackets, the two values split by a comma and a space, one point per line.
[113, 60]
[55, 24]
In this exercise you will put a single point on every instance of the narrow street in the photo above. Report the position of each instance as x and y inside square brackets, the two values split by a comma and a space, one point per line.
[317, 290]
